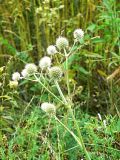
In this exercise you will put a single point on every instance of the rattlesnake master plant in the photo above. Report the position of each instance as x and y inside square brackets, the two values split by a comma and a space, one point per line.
[51, 50]
[55, 74]
[31, 68]
[24, 73]
[48, 107]
[45, 63]
[78, 34]
[16, 76]
[62, 43]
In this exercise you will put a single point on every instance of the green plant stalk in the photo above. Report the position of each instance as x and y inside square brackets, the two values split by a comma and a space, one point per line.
[58, 141]
[71, 112]
[47, 89]
[81, 143]
[60, 92]
[80, 136]
[67, 75]
[75, 137]
[88, 84]
[111, 97]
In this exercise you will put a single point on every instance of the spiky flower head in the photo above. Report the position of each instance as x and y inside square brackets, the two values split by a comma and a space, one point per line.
[24, 73]
[48, 107]
[51, 50]
[55, 73]
[13, 84]
[45, 63]
[16, 76]
[31, 68]
[62, 43]
[78, 34]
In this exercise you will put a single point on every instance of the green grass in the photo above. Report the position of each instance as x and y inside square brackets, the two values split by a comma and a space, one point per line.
[38, 136]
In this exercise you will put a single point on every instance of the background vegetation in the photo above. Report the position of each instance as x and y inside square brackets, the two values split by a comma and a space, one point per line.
[27, 28]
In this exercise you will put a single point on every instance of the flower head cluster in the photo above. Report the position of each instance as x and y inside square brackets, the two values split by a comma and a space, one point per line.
[62, 43]
[45, 63]
[78, 34]
[54, 72]
[48, 107]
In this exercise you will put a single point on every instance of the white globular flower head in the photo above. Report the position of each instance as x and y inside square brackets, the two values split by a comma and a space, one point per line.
[78, 34]
[16, 76]
[51, 50]
[48, 107]
[24, 73]
[62, 43]
[45, 63]
[31, 68]
[55, 73]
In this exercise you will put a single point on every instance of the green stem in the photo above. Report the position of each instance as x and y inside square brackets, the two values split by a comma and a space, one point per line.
[111, 97]
[72, 48]
[67, 74]
[81, 143]
[80, 136]
[75, 137]
[48, 89]
[60, 92]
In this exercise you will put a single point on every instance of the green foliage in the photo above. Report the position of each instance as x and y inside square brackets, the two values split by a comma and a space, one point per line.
[40, 137]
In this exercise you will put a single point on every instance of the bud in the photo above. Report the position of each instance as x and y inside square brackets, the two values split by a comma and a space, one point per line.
[99, 116]
[78, 34]
[16, 76]
[13, 84]
[55, 73]
[51, 50]
[48, 107]
[30, 68]
[62, 43]
[105, 123]
[45, 62]
[24, 73]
